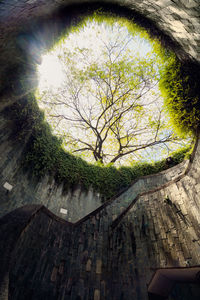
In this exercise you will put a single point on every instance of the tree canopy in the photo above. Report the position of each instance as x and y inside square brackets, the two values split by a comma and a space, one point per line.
[109, 108]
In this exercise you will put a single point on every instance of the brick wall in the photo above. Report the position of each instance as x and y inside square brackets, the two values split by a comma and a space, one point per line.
[113, 252]
[99, 257]
[28, 189]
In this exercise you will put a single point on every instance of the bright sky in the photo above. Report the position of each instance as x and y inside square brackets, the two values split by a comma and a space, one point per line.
[51, 75]
[93, 36]
[50, 72]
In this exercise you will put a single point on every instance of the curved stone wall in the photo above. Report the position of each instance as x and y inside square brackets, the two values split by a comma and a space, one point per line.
[176, 20]
[112, 252]
[24, 17]
[29, 190]
[179, 18]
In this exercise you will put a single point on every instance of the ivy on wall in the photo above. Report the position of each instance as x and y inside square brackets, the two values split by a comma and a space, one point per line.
[180, 88]
[44, 153]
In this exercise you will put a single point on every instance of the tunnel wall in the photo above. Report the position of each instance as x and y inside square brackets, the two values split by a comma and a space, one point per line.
[113, 252]
[178, 18]
[29, 189]
[176, 21]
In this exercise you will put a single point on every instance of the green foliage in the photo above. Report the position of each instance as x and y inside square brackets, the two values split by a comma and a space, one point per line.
[109, 99]
[180, 90]
[110, 18]
[44, 155]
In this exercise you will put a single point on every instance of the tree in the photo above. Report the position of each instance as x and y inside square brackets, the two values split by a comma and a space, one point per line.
[109, 107]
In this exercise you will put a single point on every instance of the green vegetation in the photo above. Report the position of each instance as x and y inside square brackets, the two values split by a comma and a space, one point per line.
[106, 106]
[180, 88]
[44, 153]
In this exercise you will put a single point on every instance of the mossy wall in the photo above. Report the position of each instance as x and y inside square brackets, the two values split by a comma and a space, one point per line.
[110, 254]
[113, 252]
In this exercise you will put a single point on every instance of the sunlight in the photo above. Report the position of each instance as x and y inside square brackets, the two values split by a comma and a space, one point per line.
[50, 71]
[51, 74]
[99, 90]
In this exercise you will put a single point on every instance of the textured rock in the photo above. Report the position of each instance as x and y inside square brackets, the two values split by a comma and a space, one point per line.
[100, 258]
[114, 250]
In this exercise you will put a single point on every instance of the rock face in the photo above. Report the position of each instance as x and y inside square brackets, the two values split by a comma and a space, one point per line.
[28, 190]
[96, 251]
[113, 252]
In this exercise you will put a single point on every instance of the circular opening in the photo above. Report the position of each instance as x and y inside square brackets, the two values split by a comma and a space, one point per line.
[99, 89]
[44, 153]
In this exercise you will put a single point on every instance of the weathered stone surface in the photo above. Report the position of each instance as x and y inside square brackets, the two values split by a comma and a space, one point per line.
[27, 190]
[98, 266]
[96, 295]
[58, 259]
[111, 253]
[88, 265]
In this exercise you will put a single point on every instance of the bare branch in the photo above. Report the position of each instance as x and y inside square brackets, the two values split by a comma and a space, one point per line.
[109, 107]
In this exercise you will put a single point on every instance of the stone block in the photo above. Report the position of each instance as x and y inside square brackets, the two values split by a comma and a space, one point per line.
[98, 266]
[54, 274]
[96, 294]
[88, 265]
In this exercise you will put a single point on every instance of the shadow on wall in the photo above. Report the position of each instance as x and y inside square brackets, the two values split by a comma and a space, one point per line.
[44, 258]
[179, 284]
[26, 46]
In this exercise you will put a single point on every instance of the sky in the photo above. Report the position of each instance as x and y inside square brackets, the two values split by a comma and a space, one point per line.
[92, 36]
[50, 71]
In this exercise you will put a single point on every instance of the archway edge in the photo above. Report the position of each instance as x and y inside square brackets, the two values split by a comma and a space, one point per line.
[158, 17]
